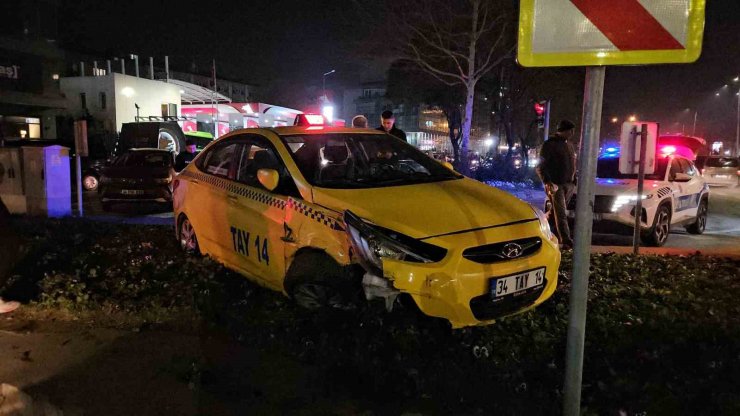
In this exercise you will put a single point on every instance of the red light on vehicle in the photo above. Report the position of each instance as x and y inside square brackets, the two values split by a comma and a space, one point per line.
[309, 120]
[315, 128]
[539, 109]
[668, 150]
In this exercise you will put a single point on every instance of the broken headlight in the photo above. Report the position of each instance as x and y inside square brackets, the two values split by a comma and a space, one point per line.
[372, 243]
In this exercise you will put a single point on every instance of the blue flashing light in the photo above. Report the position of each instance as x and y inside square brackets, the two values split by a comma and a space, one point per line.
[610, 153]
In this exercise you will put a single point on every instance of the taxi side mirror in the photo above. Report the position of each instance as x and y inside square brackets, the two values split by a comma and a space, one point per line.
[269, 178]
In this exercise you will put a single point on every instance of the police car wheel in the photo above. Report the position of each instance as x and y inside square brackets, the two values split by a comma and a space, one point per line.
[315, 281]
[658, 234]
[187, 238]
[700, 224]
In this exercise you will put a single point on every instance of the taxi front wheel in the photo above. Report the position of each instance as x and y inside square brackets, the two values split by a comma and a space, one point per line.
[315, 281]
[186, 236]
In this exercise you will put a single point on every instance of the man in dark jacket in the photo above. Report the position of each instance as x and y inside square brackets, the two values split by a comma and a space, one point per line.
[558, 171]
[186, 155]
[388, 125]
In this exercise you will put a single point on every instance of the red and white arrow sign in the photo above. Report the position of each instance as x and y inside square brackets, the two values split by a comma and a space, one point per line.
[610, 25]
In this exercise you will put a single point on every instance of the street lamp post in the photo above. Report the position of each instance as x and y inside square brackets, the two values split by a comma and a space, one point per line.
[693, 131]
[323, 86]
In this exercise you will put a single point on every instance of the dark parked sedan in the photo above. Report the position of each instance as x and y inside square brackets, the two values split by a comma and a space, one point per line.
[141, 175]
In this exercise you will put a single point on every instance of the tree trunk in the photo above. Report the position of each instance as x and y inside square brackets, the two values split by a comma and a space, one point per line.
[467, 122]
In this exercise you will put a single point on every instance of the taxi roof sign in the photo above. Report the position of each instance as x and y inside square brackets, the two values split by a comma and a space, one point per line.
[608, 32]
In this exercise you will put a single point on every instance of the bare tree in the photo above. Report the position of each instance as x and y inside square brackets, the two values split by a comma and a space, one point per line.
[457, 42]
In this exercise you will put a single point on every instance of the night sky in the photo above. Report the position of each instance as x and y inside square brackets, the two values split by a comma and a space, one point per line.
[291, 43]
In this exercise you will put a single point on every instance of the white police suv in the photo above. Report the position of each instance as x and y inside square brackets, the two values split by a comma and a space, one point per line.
[675, 194]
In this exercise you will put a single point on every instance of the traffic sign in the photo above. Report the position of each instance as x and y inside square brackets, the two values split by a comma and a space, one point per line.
[609, 32]
[630, 142]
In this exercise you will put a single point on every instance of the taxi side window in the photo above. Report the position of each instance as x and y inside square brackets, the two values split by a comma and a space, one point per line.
[219, 160]
[255, 155]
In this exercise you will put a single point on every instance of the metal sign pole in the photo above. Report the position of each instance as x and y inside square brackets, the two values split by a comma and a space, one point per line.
[592, 101]
[547, 121]
[640, 185]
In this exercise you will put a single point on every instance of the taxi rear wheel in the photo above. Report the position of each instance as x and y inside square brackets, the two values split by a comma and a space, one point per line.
[315, 281]
[186, 236]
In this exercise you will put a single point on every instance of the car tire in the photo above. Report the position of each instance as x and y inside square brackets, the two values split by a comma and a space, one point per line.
[174, 139]
[90, 182]
[186, 236]
[661, 228]
[700, 223]
[316, 282]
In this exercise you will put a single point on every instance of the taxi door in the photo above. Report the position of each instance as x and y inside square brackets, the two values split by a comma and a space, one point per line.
[257, 216]
[207, 199]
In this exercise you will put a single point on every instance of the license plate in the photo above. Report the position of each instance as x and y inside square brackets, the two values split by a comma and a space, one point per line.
[515, 283]
[132, 192]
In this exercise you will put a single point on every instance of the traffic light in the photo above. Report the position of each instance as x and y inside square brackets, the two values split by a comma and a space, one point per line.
[540, 108]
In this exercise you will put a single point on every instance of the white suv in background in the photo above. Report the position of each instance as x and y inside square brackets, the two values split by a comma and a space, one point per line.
[674, 194]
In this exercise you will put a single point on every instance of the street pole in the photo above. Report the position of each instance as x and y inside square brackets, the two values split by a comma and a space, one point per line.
[593, 98]
[737, 131]
[640, 184]
[151, 67]
[547, 121]
[166, 68]
[136, 62]
[323, 86]
[696, 114]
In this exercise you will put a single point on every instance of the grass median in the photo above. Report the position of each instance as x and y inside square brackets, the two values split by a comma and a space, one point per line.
[663, 333]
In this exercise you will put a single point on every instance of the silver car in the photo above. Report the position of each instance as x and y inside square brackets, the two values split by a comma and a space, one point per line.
[721, 171]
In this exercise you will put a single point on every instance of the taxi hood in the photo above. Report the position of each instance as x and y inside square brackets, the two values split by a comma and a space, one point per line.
[430, 209]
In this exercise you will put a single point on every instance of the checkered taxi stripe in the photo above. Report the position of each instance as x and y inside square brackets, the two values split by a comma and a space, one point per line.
[267, 199]
[315, 215]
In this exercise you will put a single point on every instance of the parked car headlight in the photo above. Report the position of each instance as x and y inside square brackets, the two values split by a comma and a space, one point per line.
[372, 243]
[544, 224]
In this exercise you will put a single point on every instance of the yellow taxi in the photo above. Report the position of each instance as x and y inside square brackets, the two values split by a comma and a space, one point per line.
[323, 214]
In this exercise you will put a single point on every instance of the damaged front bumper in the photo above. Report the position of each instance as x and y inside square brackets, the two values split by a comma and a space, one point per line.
[456, 288]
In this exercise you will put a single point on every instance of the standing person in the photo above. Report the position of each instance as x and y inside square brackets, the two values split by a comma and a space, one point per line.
[557, 170]
[359, 121]
[388, 125]
[186, 156]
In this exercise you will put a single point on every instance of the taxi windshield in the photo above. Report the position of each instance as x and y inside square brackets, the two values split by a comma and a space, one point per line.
[349, 160]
